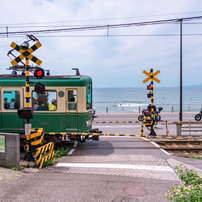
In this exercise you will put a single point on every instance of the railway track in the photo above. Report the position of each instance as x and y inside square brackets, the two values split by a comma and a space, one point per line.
[182, 147]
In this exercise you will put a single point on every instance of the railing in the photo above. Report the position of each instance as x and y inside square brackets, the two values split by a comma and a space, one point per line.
[188, 126]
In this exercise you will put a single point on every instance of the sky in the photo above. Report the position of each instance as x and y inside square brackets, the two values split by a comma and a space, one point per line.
[114, 57]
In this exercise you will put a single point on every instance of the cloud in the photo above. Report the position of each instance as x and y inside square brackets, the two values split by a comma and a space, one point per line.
[112, 61]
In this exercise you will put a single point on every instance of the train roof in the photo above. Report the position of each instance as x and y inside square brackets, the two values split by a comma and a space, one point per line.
[48, 80]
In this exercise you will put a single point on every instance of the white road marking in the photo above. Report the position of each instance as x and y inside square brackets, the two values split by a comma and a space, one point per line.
[71, 151]
[145, 138]
[135, 167]
[155, 144]
[165, 151]
[75, 144]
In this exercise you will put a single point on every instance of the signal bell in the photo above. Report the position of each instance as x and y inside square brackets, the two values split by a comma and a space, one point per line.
[39, 88]
[39, 73]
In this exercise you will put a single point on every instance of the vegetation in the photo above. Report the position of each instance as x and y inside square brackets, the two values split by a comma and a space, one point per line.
[190, 189]
[58, 154]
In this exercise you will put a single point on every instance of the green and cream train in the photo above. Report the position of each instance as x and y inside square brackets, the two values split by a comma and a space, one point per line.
[70, 95]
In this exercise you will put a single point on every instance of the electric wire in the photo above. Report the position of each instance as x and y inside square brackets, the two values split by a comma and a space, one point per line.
[99, 27]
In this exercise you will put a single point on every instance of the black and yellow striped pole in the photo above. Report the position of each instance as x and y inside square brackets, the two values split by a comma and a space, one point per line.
[151, 76]
[28, 156]
[152, 105]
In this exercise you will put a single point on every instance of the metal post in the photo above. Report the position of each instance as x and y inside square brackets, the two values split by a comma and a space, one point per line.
[180, 114]
[28, 156]
[152, 105]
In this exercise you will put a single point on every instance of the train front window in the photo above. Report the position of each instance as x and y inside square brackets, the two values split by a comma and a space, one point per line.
[11, 99]
[72, 99]
[44, 101]
[89, 96]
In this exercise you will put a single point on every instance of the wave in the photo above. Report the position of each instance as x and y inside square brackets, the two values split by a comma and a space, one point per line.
[131, 105]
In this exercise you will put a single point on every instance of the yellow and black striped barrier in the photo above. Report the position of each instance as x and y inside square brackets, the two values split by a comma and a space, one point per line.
[117, 121]
[126, 135]
[40, 159]
[37, 136]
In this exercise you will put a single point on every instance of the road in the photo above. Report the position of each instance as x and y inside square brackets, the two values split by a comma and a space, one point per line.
[135, 128]
[113, 169]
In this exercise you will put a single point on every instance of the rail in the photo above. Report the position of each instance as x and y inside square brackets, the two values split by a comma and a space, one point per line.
[188, 126]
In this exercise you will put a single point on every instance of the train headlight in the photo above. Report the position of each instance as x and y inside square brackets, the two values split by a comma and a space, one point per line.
[89, 123]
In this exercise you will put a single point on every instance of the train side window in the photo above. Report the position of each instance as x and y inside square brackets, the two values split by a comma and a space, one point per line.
[11, 99]
[72, 99]
[45, 101]
[89, 96]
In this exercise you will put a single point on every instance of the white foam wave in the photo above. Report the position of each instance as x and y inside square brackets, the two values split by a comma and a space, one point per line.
[131, 105]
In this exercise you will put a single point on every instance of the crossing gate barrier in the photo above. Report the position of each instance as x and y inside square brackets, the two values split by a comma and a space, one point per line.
[37, 136]
[40, 159]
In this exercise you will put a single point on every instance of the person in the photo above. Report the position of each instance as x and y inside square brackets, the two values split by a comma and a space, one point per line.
[72, 104]
[36, 105]
[12, 103]
[6, 104]
[156, 117]
[53, 106]
[41, 106]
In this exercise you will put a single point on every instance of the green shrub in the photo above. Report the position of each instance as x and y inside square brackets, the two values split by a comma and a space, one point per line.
[190, 189]
[58, 154]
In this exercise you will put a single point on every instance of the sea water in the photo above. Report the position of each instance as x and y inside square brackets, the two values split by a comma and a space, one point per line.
[133, 99]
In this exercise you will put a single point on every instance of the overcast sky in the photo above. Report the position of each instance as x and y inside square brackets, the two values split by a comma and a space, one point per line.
[116, 60]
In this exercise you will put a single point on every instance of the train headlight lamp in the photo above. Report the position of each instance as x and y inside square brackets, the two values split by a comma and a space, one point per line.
[89, 123]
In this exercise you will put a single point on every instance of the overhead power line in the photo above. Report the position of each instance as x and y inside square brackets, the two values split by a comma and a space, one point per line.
[85, 28]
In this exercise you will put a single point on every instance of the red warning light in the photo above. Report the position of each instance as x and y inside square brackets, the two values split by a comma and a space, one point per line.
[149, 87]
[39, 73]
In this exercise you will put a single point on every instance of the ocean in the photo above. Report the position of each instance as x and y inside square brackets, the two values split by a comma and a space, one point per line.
[131, 99]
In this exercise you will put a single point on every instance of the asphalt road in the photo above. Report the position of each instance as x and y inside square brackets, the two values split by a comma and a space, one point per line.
[135, 128]
[113, 169]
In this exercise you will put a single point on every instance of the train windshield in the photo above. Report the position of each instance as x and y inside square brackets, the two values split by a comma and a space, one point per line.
[89, 96]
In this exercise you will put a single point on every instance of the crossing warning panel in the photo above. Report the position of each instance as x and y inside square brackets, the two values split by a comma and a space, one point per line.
[26, 53]
[149, 76]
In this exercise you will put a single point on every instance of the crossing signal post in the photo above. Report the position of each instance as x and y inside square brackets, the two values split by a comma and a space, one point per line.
[151, 76]
[27, 112]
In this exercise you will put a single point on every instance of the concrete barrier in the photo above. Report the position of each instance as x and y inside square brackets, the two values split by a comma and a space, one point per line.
[11, 155]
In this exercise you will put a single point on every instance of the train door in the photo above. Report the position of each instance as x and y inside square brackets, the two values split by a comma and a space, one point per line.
[12, 100]
[71, 109]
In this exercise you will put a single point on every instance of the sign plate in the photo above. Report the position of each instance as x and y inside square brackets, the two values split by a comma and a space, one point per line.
[28, 129]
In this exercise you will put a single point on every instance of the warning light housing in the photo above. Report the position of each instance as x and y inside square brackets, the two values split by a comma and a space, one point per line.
[149, 87]
[39, 73]
[39, 88]
[149, 95]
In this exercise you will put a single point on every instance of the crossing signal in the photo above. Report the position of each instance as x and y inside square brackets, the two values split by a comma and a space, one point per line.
[149, 87]
[39, 73]
[39, 88]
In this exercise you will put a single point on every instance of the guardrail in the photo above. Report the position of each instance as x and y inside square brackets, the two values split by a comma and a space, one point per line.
[188, 126]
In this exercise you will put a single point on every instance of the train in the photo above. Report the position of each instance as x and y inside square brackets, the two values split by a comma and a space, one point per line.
[69, 95]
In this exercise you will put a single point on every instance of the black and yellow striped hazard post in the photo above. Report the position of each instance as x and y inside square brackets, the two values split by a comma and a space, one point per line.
[142, 130]
[152, 105]
[28, 156]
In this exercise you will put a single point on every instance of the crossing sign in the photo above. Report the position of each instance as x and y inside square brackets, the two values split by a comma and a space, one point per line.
[26, 53]
[149, 76]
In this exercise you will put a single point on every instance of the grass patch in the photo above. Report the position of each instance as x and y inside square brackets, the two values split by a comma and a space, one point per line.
[196, 157]
[58, 154]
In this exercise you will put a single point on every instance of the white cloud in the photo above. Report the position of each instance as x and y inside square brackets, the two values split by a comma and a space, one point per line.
[111, 61]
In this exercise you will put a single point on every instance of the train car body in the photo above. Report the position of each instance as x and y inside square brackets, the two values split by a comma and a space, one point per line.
[72, 113]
